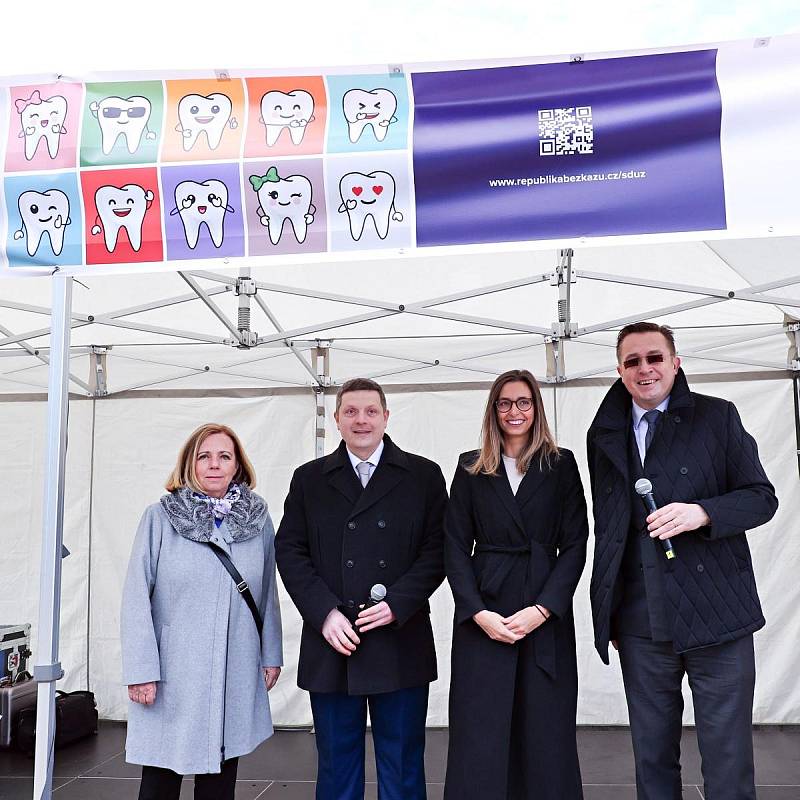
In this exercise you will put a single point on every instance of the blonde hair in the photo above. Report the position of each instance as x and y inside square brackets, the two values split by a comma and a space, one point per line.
[540, 440]
[185, 474]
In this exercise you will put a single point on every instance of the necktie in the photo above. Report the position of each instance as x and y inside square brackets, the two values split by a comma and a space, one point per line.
[651, 418]
[362, 469]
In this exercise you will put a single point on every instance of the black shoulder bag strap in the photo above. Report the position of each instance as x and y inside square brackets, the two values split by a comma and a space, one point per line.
[241, 585]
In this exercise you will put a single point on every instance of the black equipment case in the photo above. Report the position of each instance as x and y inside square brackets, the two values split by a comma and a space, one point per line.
[76, 717]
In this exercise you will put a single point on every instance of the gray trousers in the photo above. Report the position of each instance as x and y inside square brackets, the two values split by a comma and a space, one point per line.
[722, 679]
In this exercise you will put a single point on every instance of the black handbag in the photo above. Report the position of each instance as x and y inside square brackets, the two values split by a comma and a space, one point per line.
[76, 718]
[241, 585]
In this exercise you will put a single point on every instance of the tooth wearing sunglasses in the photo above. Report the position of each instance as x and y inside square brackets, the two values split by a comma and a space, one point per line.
[650, 358]
[126, 118]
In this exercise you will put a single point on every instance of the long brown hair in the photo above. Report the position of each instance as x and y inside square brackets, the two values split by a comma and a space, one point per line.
[540, 440]
[185, 474]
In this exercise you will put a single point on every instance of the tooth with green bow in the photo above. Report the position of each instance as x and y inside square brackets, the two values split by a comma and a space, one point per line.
[281, 200]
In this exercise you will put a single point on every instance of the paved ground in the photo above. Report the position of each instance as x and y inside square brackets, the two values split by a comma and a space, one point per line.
[284, 767]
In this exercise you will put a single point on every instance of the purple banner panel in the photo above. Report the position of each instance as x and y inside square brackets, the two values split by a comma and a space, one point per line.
[596, 148]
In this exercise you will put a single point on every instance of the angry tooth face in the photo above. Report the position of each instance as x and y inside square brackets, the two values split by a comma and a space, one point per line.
[42, 119]
[375, 108]
[43, 212]
[202, 204]
[292, 111]
[282, 199]
[198, 114]
[119, 208]
[368, 195]
[127, 118]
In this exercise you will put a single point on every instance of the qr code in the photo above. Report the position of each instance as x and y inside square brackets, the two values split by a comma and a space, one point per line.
[566, 131]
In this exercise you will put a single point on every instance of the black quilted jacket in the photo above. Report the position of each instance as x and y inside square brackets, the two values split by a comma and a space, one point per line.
[701, 454]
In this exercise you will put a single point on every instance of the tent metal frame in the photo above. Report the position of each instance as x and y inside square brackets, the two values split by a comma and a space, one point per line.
[299, 341]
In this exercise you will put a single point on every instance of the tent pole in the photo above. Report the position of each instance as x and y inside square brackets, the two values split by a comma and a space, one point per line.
[796, 393]
[321, 356]
[48, 669]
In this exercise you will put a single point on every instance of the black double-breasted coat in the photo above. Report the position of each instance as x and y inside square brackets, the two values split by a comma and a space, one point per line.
[336, 540]
[504, 552]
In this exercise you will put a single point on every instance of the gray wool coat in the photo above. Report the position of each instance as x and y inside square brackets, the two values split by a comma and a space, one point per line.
[185, 626]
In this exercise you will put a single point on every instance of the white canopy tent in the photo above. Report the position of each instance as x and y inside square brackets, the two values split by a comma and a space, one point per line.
[262, 346]
[138, 390]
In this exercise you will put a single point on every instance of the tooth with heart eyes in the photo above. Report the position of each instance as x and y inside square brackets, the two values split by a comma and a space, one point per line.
[119, 208]
[292, 111]
[375, 108]
[202, 204]
[281, 200]
[198, 114]
[42, 119]
[369, 195]
[123, 117]
[43, 213]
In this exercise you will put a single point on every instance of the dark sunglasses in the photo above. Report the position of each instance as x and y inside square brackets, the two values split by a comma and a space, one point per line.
[522, 403]
[135, 112]
[650, 358]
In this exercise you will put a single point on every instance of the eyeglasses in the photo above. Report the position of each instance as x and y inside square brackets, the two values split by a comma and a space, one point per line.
[522, 403]
[134, 112]
[650, 358]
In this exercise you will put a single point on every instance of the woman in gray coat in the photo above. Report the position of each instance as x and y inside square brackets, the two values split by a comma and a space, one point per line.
[197, 674]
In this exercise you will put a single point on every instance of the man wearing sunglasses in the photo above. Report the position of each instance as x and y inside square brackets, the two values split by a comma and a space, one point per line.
[693, 613]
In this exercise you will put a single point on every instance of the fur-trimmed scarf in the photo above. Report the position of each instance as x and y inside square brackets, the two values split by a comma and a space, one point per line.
[193, 518]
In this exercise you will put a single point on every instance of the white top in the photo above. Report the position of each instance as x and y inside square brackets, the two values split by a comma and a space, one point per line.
[372, 460]
[514, 475]
[640, 424]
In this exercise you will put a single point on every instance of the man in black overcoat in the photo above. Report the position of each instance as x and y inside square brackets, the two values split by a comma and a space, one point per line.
[693, 613]
[368, 513]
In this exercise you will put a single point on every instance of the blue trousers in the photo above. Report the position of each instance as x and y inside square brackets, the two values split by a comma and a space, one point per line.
[722, 680]
[398, 732]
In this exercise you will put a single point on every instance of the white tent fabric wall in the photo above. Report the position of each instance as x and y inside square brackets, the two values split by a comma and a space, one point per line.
[135, 443]
[22, 430]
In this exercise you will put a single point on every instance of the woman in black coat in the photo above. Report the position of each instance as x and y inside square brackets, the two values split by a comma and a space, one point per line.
[515, 548]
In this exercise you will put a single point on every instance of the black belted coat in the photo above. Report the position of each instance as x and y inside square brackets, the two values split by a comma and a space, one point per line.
[336, 540]
[528, 548]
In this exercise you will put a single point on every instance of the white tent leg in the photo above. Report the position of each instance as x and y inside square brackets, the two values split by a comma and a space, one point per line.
[47, 669]
[321, 360]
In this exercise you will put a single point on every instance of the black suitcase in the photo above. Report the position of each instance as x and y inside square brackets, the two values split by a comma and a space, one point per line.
[76, 718]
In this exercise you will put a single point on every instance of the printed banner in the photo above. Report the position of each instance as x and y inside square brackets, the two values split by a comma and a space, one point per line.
[633, 146]
[127, 172]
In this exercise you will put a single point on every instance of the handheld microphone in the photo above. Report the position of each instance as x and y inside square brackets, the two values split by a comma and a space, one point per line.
[377, 594]
[645, 490]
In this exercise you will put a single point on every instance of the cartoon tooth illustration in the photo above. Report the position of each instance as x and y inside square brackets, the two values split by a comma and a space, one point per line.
[198, 114]
[375, 108]
[282, 199]
[121, 208]
[43, 212]
[292, 111]
[123, 117]
[202, 204]
[42, 119]
[369, 195]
